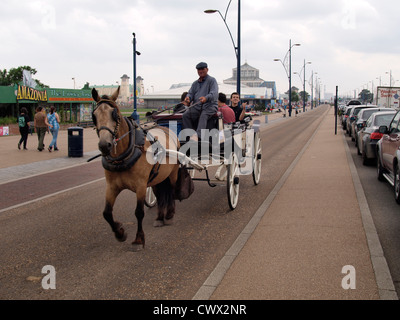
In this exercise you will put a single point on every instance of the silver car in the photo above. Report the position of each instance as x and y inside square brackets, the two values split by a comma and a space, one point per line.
[362, 117]
[369, 135]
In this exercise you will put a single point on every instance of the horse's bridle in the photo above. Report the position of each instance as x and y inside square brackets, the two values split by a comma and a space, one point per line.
[116, 117]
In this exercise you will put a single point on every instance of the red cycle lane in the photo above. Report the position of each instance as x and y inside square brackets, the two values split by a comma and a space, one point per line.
[31, 188]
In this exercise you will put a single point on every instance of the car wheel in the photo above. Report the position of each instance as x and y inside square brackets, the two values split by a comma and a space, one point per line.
[397, 184]
[379, 169]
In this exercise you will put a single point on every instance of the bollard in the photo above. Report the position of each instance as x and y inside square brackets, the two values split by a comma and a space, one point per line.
[266, 119]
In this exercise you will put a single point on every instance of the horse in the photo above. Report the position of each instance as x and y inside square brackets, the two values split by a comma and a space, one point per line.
[123, 149]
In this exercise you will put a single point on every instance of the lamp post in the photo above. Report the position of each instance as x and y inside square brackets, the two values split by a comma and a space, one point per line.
[312, 89]
[289, 72]
[236, 47]
[135, 115]
[304, 84]
[74, 82]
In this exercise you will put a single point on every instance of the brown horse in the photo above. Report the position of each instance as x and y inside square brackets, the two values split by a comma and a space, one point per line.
[123, 148]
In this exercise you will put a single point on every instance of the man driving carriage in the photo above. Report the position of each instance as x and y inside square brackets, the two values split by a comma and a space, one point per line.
[205, 92]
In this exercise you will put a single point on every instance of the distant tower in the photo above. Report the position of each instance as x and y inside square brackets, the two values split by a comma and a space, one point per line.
[124, 91]
[139, 86]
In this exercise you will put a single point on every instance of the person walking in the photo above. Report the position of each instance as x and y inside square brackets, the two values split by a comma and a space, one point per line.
[41, 126]
[53, 119]
[23, 124]
[205, 92]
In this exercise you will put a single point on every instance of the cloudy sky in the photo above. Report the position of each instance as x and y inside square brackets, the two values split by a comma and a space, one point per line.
[350, 43]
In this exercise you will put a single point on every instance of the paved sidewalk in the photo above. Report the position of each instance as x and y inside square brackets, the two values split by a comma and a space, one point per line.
[309, 228]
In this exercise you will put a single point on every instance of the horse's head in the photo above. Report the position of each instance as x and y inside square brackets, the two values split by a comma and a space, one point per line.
[106, 118]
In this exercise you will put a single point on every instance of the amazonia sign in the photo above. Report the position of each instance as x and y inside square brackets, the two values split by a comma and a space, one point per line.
[26, 93]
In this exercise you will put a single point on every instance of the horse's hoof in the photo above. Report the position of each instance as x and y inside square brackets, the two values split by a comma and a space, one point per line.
[120, 234]
[158, 223]
[169, 222]
[137, 246]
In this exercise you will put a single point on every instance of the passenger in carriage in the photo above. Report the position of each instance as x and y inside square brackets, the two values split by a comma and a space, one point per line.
[205, 91]
[236, 107]
[228, 115]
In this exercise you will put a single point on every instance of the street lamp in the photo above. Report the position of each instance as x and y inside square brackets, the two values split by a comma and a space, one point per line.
[135, 115]
[74, 82]
[289, 72]
[236, 47]
[304, 84]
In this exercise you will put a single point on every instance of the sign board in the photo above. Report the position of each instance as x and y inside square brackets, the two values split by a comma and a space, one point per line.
[388, 97]
[4, 131]
[27, 93]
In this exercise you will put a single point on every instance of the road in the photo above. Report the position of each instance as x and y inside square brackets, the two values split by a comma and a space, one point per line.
[67, 230]
[384, 210]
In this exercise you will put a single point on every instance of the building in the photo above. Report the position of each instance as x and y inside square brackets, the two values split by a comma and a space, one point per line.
[171, 97]
[253, 90]
[126, 93]
[249, 76]
[73, 105]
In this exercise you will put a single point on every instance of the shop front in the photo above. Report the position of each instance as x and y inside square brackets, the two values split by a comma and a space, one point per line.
[73, 105]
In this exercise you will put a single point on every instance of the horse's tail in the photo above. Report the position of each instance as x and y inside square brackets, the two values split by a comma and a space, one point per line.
[165, 198]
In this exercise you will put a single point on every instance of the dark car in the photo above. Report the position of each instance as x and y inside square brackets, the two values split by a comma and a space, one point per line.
[354, 115]
[346, 114]
[353, 103]
[388, 155]
[369, 135]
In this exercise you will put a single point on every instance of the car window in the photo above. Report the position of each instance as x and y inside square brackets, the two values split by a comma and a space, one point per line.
[383, 120]
[369, 122]
[394, 125]
[367, 113]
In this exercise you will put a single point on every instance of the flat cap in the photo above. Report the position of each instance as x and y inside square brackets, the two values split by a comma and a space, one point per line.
[201, 65]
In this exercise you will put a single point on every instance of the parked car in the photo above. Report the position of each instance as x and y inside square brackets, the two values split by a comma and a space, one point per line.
[362, 117]
[353, 103]
[353, 116]
[345, 116]
[369, 135]
[388, 155]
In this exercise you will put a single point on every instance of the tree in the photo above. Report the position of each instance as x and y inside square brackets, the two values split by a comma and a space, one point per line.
[295, 96]
[14, 76]
[301, 94]
[366, 96]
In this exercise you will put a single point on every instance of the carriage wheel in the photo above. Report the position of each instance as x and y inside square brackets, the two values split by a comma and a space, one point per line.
[257, 152]
[233, 181]
[150, 200]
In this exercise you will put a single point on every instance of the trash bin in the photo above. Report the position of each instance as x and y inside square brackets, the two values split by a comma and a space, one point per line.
[75, 142]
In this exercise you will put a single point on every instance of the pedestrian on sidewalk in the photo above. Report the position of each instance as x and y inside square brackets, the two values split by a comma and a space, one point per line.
[23, 124]
[53, 120]
[41, 126]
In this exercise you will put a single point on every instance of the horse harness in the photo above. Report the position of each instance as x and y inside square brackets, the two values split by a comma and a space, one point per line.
[131, 155]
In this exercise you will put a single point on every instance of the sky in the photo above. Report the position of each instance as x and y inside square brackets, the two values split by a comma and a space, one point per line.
[351, 44]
